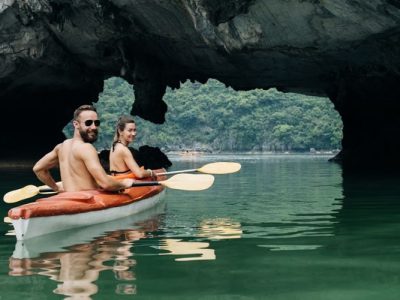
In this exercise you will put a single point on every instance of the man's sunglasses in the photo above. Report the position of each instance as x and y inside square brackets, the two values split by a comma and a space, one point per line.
[90, 122]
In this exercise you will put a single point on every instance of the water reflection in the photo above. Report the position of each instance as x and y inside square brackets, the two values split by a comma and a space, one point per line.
[76, 266]
[77, 269]
[210, 229]
[76, 260]
[290, 201]
[297, 228]
[220, 229]
[178, 247]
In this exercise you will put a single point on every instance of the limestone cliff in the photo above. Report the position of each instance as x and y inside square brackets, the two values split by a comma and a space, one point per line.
[55, 54]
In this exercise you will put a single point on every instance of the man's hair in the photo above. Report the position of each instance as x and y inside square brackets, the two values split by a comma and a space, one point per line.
[82, 108]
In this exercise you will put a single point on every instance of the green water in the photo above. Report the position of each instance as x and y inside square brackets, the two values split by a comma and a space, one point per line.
[285, 227]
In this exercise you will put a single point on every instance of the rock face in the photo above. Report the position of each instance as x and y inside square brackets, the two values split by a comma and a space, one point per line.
[55, 55]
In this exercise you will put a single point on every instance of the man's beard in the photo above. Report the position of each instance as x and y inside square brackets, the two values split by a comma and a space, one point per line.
[85, 135]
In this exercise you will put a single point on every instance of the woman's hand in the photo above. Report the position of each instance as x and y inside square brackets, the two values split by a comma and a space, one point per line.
[152, 174]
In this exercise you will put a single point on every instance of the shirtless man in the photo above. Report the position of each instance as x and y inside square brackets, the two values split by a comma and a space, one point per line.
[77, 158]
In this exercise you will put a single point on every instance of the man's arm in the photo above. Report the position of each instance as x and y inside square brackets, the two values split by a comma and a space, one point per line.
[91, 160]
[43, 166]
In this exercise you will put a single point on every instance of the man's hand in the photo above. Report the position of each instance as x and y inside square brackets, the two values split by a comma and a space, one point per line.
[60, 187]
[127, 182]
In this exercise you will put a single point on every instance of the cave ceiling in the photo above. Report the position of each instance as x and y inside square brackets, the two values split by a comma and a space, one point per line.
[56, 54]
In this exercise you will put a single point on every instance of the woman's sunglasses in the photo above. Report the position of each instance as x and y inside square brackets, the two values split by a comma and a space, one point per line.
[90, 122]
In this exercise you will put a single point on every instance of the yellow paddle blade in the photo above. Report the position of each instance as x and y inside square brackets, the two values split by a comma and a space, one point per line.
[21, 194]
[7, 220]
[189, 182]
[220, 168]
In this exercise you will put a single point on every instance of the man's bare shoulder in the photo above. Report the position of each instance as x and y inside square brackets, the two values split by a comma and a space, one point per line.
[83, 146]
[84, 150]
[63, 145]
[76, 147]
[58, 147]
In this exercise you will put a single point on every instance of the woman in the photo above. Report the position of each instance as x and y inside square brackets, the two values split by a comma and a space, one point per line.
[121, 158]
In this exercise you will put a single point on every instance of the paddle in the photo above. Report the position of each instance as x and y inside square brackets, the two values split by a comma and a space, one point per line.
[26, 192]
[187, 182]
[211, 168]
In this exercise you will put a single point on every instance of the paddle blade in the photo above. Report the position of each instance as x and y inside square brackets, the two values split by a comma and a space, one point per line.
[189, 182]
[220, 168]
[21, 194]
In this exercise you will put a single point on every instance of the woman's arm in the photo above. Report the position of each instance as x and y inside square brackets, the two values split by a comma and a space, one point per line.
[133, 166]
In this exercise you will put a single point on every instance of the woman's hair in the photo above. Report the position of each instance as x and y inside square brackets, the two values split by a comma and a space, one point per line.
[121, 123]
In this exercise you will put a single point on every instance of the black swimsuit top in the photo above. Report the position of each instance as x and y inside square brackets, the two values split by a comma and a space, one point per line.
[118, 172]
[116, 142]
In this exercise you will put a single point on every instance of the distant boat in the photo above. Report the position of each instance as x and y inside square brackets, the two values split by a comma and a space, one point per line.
[190, 153]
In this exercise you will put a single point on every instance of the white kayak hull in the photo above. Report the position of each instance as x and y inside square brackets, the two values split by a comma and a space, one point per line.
[38, 226]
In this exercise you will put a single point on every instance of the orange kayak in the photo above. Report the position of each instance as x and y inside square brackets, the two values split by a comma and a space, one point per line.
[74, 209]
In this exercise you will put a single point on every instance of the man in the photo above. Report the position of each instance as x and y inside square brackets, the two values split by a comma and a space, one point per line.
[77, 158]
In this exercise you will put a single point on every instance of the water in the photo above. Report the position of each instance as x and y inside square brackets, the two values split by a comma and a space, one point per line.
[285, 227]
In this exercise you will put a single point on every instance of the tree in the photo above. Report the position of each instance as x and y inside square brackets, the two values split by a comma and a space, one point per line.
[222, 119]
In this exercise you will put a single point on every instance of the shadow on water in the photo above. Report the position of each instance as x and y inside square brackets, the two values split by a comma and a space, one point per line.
[354, 257]
[75, 258]
[369, 219]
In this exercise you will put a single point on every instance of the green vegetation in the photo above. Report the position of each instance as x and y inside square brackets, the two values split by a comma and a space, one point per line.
[213, 117]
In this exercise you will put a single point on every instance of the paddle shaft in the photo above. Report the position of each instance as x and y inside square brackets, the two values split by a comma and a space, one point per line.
[178, 172]
[46, 189]
[180, 182]
[135, 184]
[211, 168]
[146, 183]
[186, 182]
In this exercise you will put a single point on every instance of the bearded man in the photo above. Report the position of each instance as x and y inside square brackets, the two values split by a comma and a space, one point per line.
[79, 164]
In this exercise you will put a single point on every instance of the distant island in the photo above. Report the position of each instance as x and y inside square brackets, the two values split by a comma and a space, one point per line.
[210, 118]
